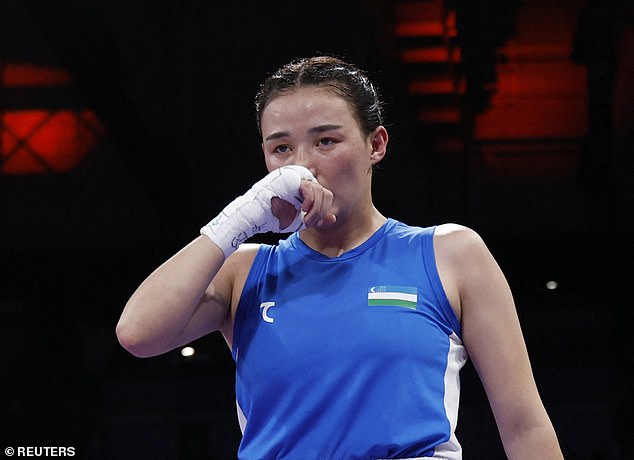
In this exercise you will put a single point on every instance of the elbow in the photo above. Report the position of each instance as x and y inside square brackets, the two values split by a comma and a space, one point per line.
[131, 338]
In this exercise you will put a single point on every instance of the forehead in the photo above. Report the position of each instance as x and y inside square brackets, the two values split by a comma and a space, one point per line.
[307, 104]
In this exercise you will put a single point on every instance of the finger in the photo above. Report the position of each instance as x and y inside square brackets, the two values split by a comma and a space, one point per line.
[308, 195]
[327, 217]
[328, 220]
[321, 212]
[316, 211]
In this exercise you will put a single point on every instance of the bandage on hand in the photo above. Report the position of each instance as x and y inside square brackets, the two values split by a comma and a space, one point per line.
[251, 213]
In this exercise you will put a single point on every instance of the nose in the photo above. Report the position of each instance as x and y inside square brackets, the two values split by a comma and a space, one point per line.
[304, 158]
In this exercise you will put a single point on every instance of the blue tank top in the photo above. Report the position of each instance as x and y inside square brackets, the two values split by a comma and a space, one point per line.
[352, 357]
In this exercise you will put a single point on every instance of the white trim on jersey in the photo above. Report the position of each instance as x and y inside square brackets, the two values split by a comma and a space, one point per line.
[242, 420]
[456, 358]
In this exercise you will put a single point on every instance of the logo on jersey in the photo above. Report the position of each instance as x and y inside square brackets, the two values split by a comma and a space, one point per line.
[393, 296]
[264, 310]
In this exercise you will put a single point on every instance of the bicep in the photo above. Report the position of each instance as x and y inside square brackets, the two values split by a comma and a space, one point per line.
[199, 325]
[493, 338]
[212, 313]
[216, 309]
[491, 328]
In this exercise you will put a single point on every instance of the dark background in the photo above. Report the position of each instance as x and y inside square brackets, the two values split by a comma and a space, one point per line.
[172, 84]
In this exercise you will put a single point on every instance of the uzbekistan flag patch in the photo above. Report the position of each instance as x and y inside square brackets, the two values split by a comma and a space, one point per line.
[393, 296]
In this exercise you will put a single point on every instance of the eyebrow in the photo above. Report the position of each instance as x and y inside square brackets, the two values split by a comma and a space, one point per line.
[276, 135]
[316, 129]
[323, 128]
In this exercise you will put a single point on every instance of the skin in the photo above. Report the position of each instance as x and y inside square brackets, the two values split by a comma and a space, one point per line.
[197, 292]
[317, 130]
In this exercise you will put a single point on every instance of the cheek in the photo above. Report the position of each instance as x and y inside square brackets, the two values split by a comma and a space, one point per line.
[348, 168]
[272, 162]
[343, 172]
[353, 164]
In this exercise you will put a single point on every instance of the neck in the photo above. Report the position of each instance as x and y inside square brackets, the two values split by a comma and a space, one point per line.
[343, 236]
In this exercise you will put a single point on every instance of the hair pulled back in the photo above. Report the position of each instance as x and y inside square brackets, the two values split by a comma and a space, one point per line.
[344, 79]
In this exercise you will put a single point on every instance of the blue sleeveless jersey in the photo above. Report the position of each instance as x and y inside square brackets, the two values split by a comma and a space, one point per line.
[353, 357]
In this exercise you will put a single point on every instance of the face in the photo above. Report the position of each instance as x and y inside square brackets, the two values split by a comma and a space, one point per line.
[315, 128]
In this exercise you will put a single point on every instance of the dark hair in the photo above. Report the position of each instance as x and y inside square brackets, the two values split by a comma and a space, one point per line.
[346, 80]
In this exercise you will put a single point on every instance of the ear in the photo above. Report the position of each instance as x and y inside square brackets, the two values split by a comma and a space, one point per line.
[378, 140]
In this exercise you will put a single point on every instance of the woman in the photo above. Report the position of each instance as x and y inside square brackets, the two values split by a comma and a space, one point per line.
[349, 335]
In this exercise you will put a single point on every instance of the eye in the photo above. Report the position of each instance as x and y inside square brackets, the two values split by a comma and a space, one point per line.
[327, 141]
[283, 148]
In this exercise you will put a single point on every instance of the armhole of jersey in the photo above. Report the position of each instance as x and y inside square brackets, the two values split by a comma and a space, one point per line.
[429, 256]
[249, 292]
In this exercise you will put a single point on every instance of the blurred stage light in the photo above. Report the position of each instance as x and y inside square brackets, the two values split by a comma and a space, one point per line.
[188, 352]
[552, 285]
[43, 126]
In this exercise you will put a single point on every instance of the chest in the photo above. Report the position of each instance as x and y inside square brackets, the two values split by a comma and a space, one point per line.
[341, 317]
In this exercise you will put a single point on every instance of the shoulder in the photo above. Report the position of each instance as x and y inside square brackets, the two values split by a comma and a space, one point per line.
[240, 262]
[231, 279]
[467, 262]
[461, 249]
[235, 270]
[455, 232]
[246, 252]
[460, 253]
[456, 241]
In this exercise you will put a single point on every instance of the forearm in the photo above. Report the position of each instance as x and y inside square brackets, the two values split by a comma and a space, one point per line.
[171, 306]
[537, 442]
[162, 306]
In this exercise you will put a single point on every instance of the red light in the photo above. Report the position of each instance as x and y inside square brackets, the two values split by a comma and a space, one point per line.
[38, 141]
[29, 75]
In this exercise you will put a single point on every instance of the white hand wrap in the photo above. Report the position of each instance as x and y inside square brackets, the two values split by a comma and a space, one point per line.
[250, 213]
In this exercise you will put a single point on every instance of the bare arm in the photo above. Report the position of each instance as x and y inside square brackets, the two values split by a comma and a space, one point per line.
[191, 294]
[492, 335]
[177, 303]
